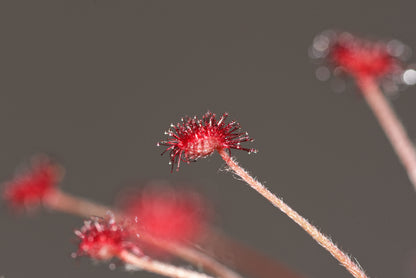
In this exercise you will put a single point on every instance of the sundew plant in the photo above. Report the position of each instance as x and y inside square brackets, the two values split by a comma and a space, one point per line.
[212, 149]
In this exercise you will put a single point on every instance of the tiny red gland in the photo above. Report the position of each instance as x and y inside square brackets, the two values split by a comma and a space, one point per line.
[30, 187]
[194, 138]
[166, 213]
[103, 239]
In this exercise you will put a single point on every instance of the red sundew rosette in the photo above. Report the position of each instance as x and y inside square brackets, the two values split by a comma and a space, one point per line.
[362, 58]
[378, 61]
[165, 213]
[30, 187]
[102, 239]
[194, 138]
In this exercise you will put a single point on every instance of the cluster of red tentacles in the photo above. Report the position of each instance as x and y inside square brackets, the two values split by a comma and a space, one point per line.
[194, 138]
[359, 57]
[31, 186]
[173, 214]
[102, 239]
[362, 58]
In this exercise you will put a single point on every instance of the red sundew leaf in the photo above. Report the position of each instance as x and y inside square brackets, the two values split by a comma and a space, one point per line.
[359, 57]
[103, 239]
[31, 186]
[363, 58]
[194, 138]
[166, 213]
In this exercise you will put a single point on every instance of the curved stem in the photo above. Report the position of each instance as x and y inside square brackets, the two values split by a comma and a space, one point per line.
[193, 255]
[324, 241]
[63, 202]
[154, 266]
[391, 125]
[67, 203]
[243, 258]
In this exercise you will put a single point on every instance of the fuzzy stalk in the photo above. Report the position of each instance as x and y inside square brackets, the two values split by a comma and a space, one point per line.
[66, 203]
[242, 257]
[391, 125]
[193, 255]
[323, 240]
[158, 267]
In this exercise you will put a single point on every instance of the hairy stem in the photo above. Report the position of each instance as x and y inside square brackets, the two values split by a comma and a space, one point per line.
[66, 203]
[63, 202]
[154, 266]
[242, 257]
[323, 240]
[193, 255]
[391, 125]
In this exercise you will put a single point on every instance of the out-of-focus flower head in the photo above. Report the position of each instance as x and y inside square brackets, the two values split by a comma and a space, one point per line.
[165, 212]
[29, 187]
[103, 239]
[380, 60]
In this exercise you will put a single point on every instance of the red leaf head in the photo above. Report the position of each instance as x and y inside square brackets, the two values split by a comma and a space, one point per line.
[103, 239]
[359, 57]
[29, 187]
[167, 213]
[194, 138]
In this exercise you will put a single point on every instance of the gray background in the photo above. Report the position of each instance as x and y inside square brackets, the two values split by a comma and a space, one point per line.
[95, 83]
